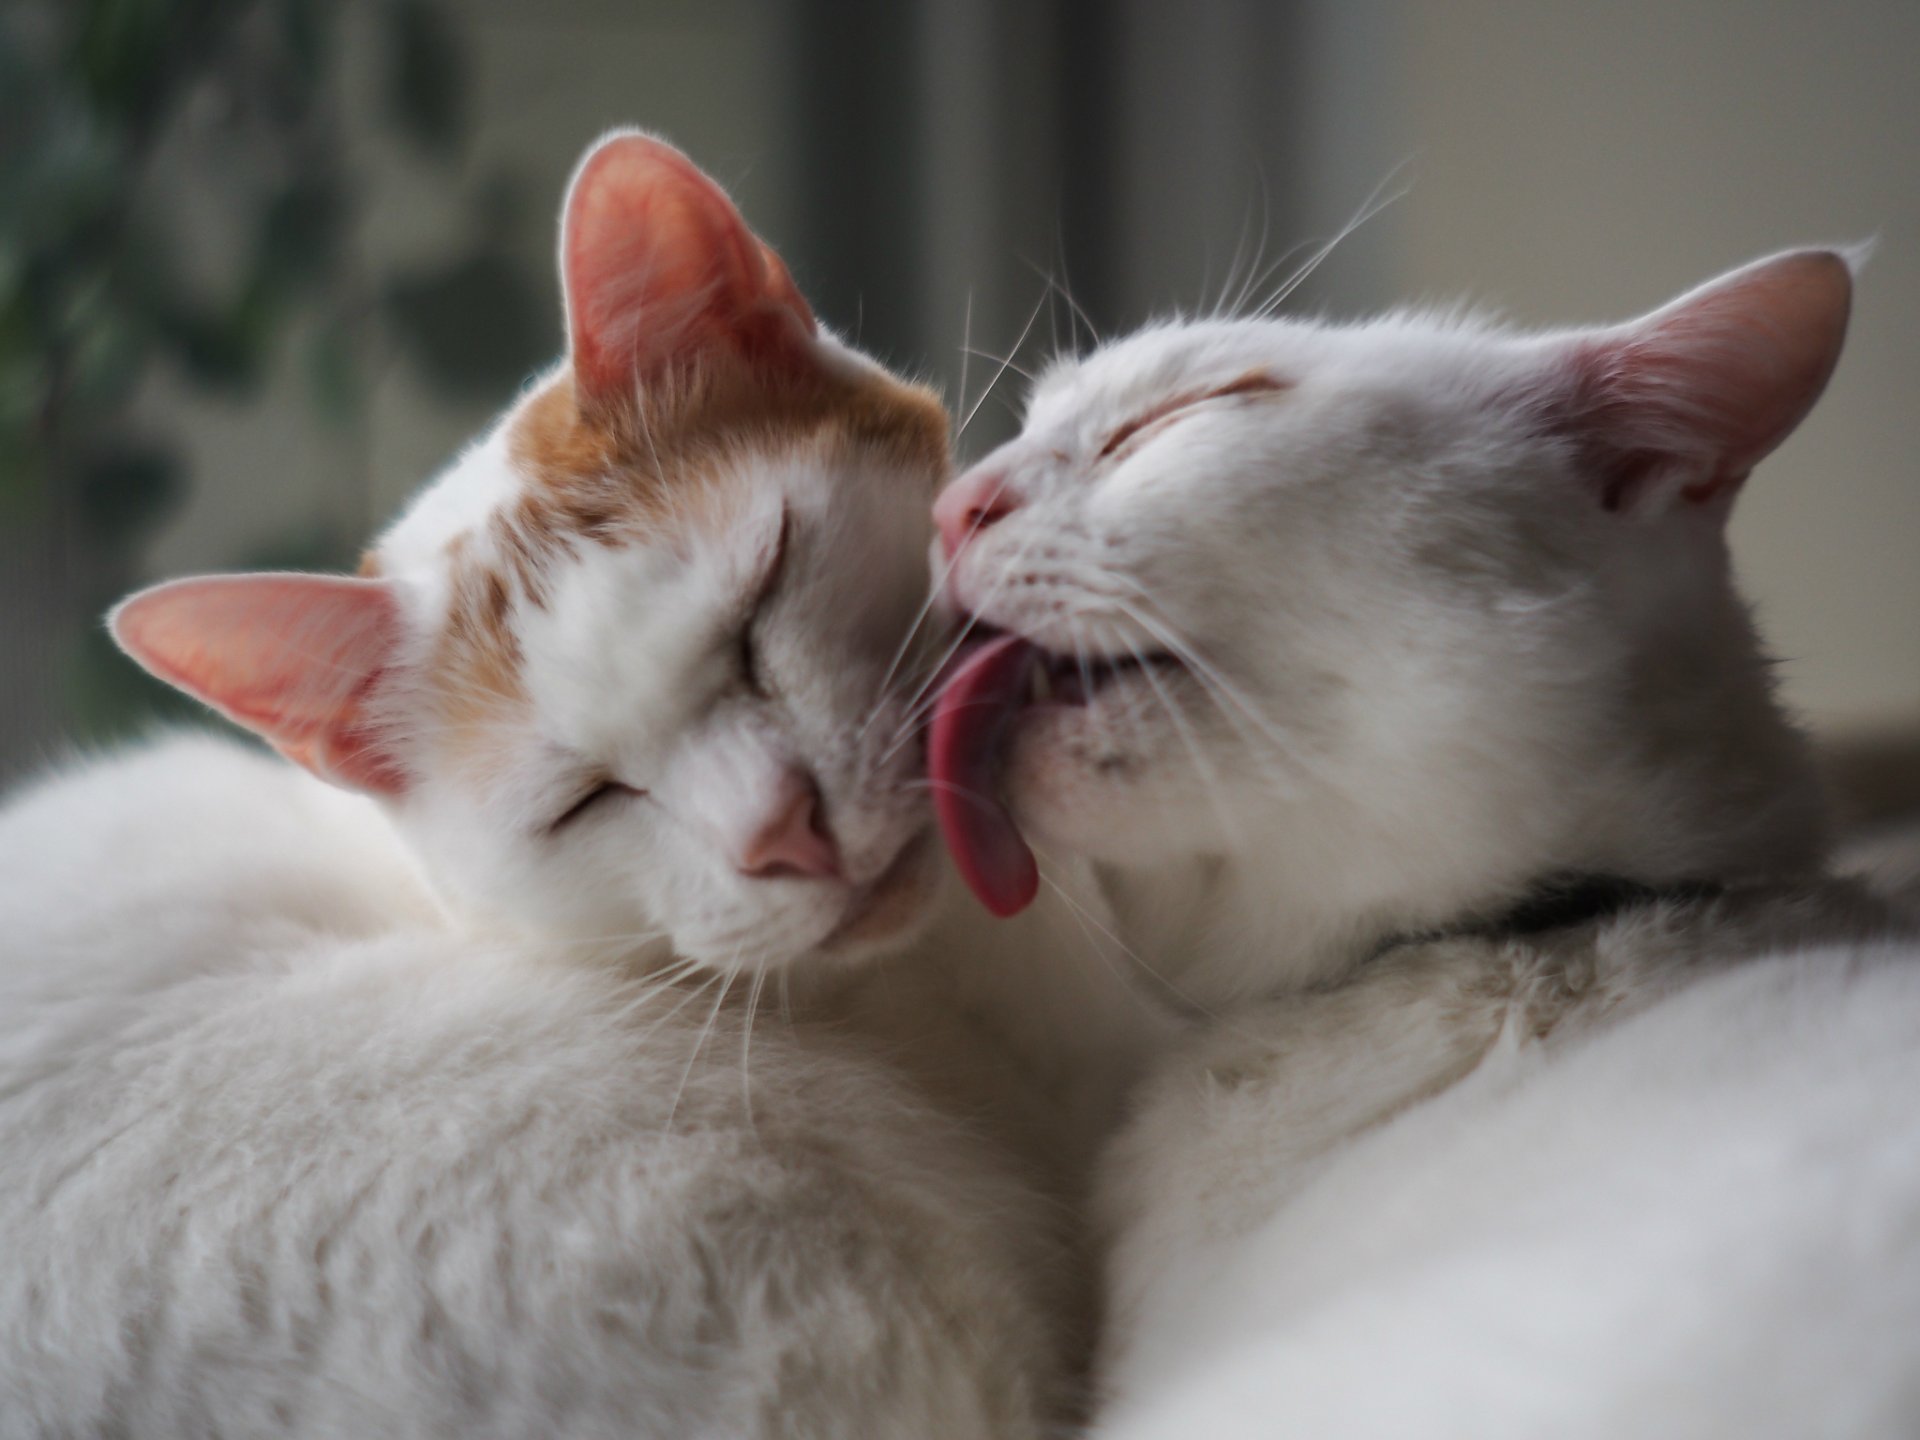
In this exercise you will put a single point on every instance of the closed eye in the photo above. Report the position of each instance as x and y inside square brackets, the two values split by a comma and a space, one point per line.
[750, 668]
[595, 794]
[1254, 382]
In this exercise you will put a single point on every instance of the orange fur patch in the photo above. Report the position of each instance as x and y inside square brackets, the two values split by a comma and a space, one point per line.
[661, 467]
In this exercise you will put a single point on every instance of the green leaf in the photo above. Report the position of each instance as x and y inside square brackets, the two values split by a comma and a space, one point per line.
[305, 39]
[334, 378]
[23, 365]
[125, 491]
[475, 327]
[23, 476]
[105, 357]
[426, 89]
[115, 51]
[133, 56]
[300, 233]
[225, 349]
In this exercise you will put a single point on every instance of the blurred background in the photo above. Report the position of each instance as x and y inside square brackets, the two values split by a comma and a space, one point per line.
[266, 264]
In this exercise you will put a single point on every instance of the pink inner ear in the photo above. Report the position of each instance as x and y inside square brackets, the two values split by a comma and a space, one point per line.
[657, 264]
[1684, 403]
[291, 657]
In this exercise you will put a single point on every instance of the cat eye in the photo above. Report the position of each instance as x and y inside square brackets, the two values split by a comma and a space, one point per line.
[596, 794]
[750, 670]
[1254, 382]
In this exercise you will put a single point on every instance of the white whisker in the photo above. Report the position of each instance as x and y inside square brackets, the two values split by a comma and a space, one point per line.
[746, 1044]
[1089, 917]
[998, 375]
[1074, 307]
[1377, 200]
[699, 1043]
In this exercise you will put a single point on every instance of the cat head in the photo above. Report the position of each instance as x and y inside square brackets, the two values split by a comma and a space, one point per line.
[619, 671]
[1411, 610]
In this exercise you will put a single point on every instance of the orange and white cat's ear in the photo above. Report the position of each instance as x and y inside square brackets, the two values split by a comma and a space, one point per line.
[291, 657]
[657, 265]
[1676, 408]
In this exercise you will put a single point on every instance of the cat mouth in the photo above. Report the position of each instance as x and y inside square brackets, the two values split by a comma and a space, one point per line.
[994, 677]
[888, 903]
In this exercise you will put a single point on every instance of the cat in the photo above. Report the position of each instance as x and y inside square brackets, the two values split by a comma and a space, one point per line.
[424, 1101]
[1392, 679]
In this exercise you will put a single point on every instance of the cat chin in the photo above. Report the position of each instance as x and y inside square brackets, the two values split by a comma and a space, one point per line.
[1115, 780]
[891, 911]
[1072, 793]
[855, 926]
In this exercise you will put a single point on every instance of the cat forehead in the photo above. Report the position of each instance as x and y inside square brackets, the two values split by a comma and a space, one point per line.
[653, 501]
[668, 462]
[1408, 349]
[622, 634]
[1151, 362]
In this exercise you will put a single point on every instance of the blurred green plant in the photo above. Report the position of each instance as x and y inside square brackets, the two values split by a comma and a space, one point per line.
[104, 271]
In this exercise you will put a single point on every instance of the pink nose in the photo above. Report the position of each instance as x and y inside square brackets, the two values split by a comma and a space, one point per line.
[793, 840]
[979, 498]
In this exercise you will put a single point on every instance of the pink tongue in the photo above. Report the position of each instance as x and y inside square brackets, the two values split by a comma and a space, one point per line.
[970, 720]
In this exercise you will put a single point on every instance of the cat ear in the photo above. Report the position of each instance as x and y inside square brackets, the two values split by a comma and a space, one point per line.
[1676, 408]
[291, 657]
[657, 265]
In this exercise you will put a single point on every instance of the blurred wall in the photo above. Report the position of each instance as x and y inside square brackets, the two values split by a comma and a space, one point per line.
[1580, 162]
[925, 166]
[544, 82]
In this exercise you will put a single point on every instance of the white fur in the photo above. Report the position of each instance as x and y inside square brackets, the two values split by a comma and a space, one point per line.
[322, 1115]
[1655, 1180]
[423, 1115]
[286, 1153]
[1652, 1176]
[632, 670]
[1359, 566]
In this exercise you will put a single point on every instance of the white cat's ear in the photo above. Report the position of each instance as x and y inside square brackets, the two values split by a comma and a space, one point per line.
[657, 265]
[1676, 408]
[290, 657]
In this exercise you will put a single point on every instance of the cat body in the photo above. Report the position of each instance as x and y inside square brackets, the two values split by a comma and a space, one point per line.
[307, 1159]
[494, 1081]
[1392, 629]
[1652, 1176]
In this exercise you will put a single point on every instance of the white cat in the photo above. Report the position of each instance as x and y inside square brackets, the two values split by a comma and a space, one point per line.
[1394, 680]
[441, 1108]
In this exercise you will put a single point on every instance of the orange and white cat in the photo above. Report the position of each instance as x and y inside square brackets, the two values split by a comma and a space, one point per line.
[422, 1102]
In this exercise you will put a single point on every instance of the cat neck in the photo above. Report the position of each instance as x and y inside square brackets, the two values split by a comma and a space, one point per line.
[1305, 900]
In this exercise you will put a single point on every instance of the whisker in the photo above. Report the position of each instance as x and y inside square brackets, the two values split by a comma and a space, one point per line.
[1256, 272]
[924, 696]
[966, 345]
[746, 1044]
[1074, 308]
[1209, 777]
[1259, 280]
[617, 937]
[651, 988]
[1007, 361]
[1240, 257]
[700, 1041]
[1377, 200]
[1126, 949]
[1013, 564]
[884, 693]
[685, 1000]
[1212, 681]
[946, 569]
[1099, 951]
[998, 375]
